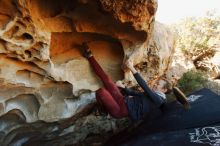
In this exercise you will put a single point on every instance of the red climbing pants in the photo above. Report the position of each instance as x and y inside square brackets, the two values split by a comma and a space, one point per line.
[109, 97]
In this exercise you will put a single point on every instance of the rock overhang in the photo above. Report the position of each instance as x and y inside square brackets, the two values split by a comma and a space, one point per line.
[38, 44]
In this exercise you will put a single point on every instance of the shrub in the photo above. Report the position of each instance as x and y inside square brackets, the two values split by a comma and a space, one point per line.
[192, 80]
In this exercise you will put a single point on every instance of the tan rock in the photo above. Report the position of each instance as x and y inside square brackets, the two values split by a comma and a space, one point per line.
[39, 49]
[60, 107]
[8, 91]
[27, 103]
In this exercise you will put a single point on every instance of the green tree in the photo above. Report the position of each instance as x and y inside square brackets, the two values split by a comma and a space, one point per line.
[198, 37]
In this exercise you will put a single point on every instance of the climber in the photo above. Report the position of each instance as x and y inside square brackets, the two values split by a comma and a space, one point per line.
[122, 102]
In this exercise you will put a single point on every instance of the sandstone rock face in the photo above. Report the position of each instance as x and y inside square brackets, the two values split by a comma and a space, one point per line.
[160, 51]
[43, 75]
[20, 38]
[179, 65]
[40, 61]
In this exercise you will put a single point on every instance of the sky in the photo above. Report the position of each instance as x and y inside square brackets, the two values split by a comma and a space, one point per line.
[171, 11]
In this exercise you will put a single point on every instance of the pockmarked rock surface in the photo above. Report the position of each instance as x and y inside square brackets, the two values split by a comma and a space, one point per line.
[42, 72]
[39, 46]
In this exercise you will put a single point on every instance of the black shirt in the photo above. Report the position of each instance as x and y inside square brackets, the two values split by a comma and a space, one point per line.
[141, 104]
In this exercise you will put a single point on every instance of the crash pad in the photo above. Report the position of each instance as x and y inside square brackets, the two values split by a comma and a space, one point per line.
[176, 126]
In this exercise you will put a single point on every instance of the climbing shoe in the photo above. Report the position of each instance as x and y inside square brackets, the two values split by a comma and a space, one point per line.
[180, 96]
